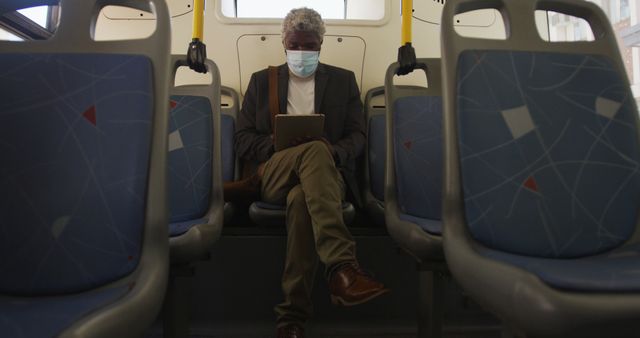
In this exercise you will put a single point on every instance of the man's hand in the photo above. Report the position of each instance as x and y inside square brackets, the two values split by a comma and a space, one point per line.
[260, 170]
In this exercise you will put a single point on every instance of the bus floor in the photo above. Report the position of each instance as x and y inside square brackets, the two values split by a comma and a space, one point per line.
[233, 293]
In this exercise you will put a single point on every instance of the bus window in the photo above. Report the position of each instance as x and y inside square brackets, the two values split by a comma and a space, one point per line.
[5, 35]
[328, 9]
[38, 15]
[564, 27]
[35, 23]
[624, 17]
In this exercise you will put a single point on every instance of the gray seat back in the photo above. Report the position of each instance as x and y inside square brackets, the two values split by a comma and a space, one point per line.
[374, 155]
[228, 125]
[195, 162]
[542, 138]
[83, 174]
[413, 178]
[375, 151]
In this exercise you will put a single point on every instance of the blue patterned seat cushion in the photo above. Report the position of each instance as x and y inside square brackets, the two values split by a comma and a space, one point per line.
[377, 154]
[418, 155]
[47, 317]
[615, 271]
[74, 148]
[549, 152]
[190, 153]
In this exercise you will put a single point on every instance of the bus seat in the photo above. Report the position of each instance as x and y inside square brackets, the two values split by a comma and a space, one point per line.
[413, 183]
[228, 125]
[195, 166]
[273, 215]
[84, 250]
[375, 155]
[195, 186]
[414, 164]
[542, 186]
[229, 112]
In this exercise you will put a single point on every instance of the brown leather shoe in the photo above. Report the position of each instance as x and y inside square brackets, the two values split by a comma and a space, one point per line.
[350, 285]
[244, 190]
[290, 331]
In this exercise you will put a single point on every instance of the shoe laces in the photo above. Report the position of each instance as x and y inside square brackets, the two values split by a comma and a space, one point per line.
[361, 271]
[356, 268]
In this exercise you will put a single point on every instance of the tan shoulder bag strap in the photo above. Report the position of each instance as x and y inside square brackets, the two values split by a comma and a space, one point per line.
[274, 106]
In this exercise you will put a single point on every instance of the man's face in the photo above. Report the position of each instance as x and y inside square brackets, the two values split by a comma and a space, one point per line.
[302, 41]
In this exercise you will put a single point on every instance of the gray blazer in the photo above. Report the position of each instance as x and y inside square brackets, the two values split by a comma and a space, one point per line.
[336, 95]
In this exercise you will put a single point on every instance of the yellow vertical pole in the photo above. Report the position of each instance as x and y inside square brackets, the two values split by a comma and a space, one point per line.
[407, 15]
[198, 19]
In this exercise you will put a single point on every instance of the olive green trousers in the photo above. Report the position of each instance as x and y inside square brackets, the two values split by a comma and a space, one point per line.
[306, 179]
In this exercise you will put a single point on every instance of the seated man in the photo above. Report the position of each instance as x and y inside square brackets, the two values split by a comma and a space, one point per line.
[308, 176]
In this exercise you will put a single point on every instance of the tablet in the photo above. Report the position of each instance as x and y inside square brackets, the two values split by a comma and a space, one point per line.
[290, 127]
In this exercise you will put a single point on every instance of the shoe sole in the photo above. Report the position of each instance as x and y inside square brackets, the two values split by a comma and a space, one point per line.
[339, 301]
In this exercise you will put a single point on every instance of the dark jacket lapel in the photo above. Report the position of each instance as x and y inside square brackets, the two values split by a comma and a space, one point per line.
[283, 87]
[321, 83]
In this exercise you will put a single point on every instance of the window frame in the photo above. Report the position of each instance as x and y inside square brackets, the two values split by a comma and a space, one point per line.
[627, 14]
[613, 9]
[20, 25]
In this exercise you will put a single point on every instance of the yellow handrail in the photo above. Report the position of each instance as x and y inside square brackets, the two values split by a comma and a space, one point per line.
[407, 15]
[198, 19]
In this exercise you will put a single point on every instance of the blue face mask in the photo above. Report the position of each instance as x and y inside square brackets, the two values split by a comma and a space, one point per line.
[302, 63]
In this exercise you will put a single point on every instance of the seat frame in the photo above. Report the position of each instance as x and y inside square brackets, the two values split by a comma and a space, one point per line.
[232, 111]
[195, 244]
[130, 315]
[374, 206]
[424, 247]
[413, 239]
[197, 241]
[528, 306]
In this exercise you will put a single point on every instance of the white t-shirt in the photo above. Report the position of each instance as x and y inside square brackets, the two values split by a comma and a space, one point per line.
[301, 95]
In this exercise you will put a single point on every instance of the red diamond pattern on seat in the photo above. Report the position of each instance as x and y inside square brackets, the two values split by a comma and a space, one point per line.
[531, 184]
[90, 115]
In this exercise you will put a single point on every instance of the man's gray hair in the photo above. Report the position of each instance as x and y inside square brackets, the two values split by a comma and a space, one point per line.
[303, 19]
